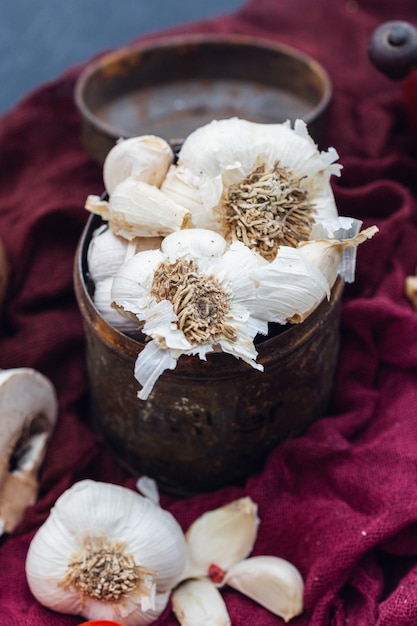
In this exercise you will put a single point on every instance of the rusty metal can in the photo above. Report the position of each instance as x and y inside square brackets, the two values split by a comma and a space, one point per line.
[206, 424]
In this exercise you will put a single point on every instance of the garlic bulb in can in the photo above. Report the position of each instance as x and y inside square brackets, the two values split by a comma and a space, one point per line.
[106, 552]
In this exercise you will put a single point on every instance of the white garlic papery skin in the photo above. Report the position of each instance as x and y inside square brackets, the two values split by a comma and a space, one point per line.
[220, 538]
[326, 254]
[146, 158]
[199, 603]
[97, 532]
[272, 582]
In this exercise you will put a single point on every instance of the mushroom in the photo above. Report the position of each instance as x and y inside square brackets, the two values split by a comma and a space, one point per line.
[4, 272]
[28, 412]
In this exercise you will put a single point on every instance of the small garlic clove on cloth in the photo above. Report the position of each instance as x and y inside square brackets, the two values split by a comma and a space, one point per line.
[137, 209]
[105, 552]
[28, 413]
[146, 158]
[272, 582]
[220, 538]
[199, 603]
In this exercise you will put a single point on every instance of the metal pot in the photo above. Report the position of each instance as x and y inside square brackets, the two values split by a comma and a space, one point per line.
[209, 423]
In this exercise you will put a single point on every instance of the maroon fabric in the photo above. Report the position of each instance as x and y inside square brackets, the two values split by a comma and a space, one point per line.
[340, 502]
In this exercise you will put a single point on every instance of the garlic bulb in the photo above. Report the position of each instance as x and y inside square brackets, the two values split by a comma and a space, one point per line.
[145, 158]
[137, 209]
[199, 603]
[272, 582]
[221, 538]
[193, 300]
[105, 552]
[262, 184]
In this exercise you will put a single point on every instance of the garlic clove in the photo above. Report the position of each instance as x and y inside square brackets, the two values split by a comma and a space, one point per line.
[136, 209]
[289, 288]
[220, 538]
[145, 158]
[117, 318]
[196, 242]
[199, 603]
[106, 252]
[28, 413]
[326, 254]
[272, 582]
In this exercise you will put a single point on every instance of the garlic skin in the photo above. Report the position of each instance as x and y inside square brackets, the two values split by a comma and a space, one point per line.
[199, 603]
[326, 254]
[137, 209]
[272, 582]
[221, 538]
[145, 158]
[142, 546]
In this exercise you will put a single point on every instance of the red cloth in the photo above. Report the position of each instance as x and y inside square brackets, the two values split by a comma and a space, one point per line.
[340, 502]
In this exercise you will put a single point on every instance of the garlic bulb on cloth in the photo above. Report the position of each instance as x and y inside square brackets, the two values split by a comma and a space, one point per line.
[263, 184]
[106, 552]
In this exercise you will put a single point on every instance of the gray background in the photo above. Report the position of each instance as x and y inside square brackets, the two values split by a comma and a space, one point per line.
[39, 39]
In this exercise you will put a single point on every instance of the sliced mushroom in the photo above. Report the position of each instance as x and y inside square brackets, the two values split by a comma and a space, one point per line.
[28, 412]
[4, 273]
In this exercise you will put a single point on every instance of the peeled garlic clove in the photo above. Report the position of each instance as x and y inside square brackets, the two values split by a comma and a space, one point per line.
[220, 538]
[136, 209]
[272, 582]
[326, 254]
[199, 603]
[28, 412]
[145, 158]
